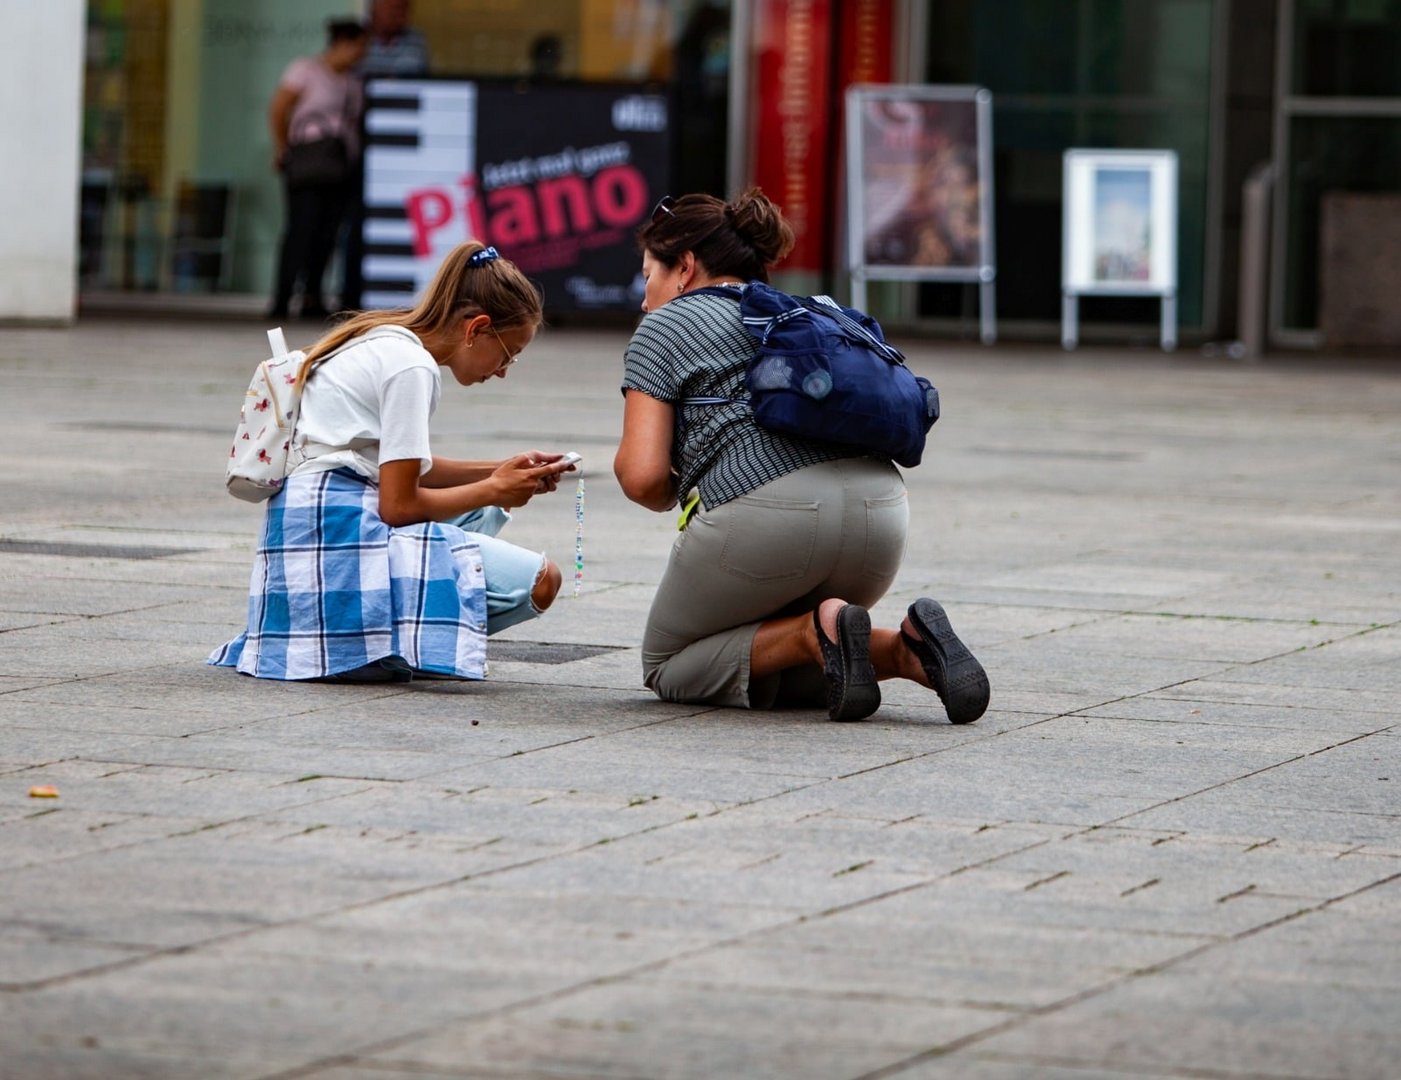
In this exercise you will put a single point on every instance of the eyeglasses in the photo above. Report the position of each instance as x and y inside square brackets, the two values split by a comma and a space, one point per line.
[663, 209]
[511, 357]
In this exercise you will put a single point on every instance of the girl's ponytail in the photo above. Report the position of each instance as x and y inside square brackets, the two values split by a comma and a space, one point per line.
[472, 279]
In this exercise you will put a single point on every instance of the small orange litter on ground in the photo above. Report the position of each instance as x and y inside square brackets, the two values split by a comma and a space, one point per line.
[43, 791]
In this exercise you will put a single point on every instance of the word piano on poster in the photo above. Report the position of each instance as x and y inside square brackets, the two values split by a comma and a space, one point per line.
[560, 201]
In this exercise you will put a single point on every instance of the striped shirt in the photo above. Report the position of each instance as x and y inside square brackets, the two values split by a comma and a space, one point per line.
[695, 346]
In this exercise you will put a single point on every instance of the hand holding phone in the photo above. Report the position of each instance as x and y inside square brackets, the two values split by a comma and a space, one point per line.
[561, 465]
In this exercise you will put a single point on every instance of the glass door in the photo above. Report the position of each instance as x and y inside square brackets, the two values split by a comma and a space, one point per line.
[1087, 74]
[1337, 133]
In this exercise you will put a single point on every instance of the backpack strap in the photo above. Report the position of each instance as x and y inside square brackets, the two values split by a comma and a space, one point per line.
[762, 326]
[834, 310]
[711, 401]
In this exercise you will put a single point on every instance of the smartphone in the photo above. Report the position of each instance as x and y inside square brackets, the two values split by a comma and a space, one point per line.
[571, 458]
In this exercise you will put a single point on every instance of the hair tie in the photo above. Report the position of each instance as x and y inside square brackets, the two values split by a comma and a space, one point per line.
[481, 258]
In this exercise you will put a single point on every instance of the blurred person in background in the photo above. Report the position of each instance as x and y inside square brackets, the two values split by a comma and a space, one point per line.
[395, 47]
[315, 121]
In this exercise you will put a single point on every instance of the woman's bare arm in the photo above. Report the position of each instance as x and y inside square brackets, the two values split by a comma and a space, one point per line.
[643, 462]
[279, 120]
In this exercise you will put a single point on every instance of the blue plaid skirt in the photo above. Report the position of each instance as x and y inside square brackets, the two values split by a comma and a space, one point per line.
[334, 588]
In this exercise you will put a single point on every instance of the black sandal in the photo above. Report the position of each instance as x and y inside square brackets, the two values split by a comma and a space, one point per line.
[953, 671]
[852, 691]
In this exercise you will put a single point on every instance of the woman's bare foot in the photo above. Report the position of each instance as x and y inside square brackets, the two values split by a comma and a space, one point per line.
[827, 612]
[893, 659]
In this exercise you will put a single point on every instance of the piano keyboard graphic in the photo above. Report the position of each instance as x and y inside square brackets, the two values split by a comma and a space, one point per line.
[418, 134]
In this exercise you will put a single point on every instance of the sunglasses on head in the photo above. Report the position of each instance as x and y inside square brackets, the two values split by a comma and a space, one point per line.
[663, 209]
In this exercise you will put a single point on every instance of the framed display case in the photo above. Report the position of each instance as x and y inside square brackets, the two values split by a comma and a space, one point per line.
[1120, 232]
[919, 189]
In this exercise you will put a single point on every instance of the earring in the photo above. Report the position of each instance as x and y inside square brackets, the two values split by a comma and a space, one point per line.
[680, 287]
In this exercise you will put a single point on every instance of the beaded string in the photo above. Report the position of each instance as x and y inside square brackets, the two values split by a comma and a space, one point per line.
[579, 534]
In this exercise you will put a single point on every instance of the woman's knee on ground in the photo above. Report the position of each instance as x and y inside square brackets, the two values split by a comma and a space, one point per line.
[546, 587]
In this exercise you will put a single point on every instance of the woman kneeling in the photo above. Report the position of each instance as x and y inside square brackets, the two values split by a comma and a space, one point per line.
[763, 601]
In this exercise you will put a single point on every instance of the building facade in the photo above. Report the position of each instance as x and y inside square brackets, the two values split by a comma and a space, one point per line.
[1285, 116]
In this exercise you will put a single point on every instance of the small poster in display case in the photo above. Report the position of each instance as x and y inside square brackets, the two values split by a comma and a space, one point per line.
[1120, 232]
[919, 188]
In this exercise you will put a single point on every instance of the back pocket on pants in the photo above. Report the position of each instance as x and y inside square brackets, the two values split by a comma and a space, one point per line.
[769, 539]
[887, 525]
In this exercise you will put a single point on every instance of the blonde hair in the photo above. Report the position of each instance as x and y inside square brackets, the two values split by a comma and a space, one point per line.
[459, 290]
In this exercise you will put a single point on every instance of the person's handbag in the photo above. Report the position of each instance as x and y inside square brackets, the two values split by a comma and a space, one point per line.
[318, 161]
[825, 373]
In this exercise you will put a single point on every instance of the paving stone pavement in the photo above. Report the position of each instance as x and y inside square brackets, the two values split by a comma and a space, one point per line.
[1172, 848]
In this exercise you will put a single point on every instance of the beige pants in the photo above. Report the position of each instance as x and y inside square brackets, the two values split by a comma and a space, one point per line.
[836, 529]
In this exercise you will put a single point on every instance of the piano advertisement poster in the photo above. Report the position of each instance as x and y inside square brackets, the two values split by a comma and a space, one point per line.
[557, 176]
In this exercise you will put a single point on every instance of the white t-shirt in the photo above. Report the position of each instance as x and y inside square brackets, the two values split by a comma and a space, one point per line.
[370, 403]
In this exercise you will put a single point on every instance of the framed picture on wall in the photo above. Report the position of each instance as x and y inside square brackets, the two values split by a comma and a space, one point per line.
[1119, 232]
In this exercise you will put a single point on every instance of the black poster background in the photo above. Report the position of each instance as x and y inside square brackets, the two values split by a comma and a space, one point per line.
[617, 138]
[565, 174]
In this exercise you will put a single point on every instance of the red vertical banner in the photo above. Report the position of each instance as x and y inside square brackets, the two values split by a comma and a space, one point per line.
[866, 56]
[792, 65]
[866, 33]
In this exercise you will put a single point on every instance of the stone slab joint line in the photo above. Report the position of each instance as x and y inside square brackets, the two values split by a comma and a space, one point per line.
[1046, 880]
[975, 1037]
[1356, 738]
[191, 947]
[1243, 776]
[1140, 887]
[561, 993]
[300, 920]
[1230, 667]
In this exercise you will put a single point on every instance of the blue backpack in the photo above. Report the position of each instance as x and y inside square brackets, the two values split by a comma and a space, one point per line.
[825, 372]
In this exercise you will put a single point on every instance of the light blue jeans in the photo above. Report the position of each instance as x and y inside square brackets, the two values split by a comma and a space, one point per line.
[511, 571]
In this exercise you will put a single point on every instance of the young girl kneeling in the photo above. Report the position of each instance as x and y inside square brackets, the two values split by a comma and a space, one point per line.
[378, 561]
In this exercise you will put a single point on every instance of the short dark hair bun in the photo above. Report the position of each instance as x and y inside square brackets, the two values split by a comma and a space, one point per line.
[739, 239]
[760, 222]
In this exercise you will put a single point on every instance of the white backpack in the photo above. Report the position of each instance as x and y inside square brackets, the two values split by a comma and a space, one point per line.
[263, 450]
